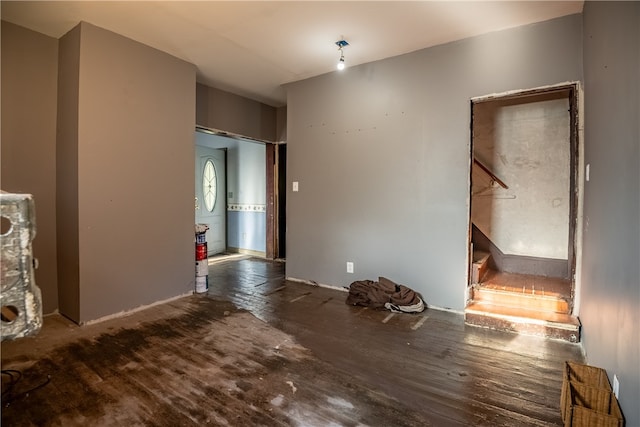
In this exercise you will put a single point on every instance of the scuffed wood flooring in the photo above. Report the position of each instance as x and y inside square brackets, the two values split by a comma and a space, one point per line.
[260, 350]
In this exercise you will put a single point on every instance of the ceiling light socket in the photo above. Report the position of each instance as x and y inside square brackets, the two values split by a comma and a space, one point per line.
[341, 45]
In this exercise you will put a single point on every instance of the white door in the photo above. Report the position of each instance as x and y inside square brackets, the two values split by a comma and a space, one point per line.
[211, 188]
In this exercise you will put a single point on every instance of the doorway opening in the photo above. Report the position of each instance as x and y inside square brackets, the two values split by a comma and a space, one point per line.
[236, 185]
[523, 214]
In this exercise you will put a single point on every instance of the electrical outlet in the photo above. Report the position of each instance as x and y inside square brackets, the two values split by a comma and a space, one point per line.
[616, 385]
[349, 267]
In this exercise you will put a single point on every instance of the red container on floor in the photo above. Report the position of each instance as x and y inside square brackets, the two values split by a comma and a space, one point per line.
[201, 251]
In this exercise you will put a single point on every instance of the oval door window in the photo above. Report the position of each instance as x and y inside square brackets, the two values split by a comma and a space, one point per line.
[209, 189]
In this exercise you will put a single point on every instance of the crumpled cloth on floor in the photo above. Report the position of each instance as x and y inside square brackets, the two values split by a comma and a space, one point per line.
[385, 294]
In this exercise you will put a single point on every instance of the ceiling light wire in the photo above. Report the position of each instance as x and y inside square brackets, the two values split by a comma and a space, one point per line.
[342, 43]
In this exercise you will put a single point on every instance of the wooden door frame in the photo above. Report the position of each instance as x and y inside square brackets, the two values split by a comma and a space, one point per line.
[271, 169]
[273, 160]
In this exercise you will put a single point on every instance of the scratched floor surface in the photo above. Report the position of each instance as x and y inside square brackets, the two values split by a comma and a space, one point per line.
[260, 350]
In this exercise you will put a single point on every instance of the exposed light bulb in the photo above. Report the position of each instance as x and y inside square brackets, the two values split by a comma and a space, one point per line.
[340, 65]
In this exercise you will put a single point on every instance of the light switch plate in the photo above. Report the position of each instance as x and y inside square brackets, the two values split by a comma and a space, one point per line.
[295, 185]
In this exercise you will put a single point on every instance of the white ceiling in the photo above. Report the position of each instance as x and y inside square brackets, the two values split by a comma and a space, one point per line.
[253, 48]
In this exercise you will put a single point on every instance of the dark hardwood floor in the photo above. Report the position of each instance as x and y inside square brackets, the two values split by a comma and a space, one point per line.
[260, 350]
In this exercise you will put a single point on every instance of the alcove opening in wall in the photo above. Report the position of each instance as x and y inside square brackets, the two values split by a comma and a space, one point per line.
[523, 213]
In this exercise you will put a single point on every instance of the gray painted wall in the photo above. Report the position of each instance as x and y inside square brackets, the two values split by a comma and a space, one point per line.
[381, 154]
[135, 169]
[610, 309]
[67, 201]
[281, 124]
[40, 80]
[29, 88]
[217, 109]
